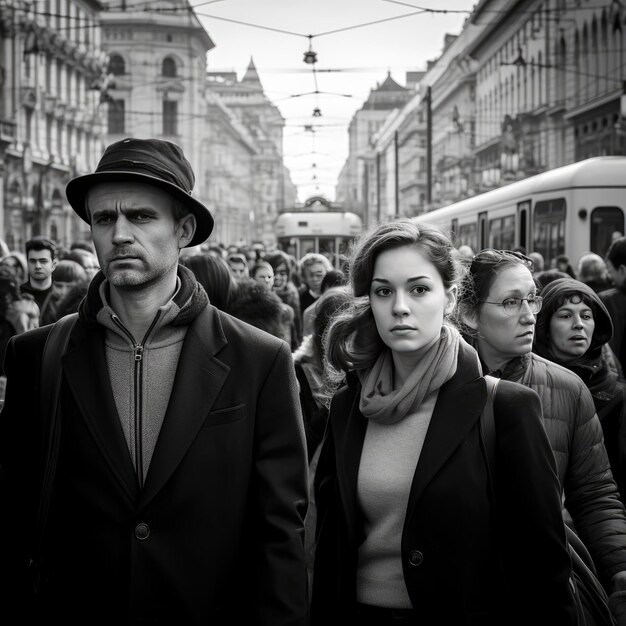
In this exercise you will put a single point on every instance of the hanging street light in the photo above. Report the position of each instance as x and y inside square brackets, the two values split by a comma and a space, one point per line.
[310, 57]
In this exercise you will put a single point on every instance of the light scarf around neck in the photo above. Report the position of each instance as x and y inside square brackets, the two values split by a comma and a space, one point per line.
[381, 403]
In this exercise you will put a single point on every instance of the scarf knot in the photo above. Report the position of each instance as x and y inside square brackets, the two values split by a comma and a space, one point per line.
[381, 403]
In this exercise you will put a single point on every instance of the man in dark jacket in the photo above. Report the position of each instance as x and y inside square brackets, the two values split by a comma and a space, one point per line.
[181, 483]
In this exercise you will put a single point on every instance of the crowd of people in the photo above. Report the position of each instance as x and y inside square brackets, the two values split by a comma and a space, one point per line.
[251, 436]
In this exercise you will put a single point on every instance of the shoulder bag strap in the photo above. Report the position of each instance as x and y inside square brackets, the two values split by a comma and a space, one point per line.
[488, 428]
[51, 374]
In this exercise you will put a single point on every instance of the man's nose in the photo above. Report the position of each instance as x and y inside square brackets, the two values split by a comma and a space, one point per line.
[122, 231]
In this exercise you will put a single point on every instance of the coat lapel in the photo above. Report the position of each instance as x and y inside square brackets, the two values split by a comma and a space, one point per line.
[199, 379]
[87, 375]
[458, 408]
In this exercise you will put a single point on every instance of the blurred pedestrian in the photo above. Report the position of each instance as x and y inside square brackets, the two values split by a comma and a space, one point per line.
[332, 278]
[592, 271]
[539, 264]
[254, 303]
[614, 298]
[285, 288]
[213, 273]
[18, 264]
[41, 256]
[238, 265]
[312, 268]
[562, 263]
[65, 275]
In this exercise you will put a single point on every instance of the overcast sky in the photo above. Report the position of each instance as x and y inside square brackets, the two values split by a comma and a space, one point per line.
[363, 39]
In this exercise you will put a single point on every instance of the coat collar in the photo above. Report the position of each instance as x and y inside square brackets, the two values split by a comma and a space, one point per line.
[449, 425]
[199, 377]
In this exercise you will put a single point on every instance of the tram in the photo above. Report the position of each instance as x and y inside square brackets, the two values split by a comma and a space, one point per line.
[326, 232]
[569, 210]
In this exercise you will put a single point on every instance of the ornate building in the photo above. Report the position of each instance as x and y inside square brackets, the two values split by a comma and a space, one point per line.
[519, 91]
[51, 68]
[354, 177]
[269, 182]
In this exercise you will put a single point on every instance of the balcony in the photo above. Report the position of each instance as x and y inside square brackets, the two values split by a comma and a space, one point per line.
[8, 132]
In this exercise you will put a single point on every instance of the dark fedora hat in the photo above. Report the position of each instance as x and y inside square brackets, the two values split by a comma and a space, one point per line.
[154, 161]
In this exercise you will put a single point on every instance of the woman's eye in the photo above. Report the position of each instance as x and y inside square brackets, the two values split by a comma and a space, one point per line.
[509, 302]
[418, 289]
[383, 291]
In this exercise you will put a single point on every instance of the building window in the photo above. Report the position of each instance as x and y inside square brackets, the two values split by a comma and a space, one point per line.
[116, 117]
[170, 117]
[169, 67]
[117, 67]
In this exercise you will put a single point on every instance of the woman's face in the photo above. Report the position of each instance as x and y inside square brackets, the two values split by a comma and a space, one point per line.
[281, 275]
[571, 330]
[408, 300]
[503, 336]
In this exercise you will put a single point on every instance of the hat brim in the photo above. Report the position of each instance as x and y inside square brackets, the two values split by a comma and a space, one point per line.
[78, 188]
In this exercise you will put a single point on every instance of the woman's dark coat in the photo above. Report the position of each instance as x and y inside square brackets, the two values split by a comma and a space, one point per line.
[454, 538]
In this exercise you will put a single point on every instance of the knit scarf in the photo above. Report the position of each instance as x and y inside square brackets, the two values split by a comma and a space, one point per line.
[381, 403]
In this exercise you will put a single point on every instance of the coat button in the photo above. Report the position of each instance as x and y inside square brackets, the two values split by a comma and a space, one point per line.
[142, 531]
[416, 558]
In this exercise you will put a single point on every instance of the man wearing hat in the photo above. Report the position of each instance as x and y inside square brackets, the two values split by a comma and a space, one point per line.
[181, 479]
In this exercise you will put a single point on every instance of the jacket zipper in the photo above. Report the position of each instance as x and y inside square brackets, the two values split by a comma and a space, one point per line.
[137, 392]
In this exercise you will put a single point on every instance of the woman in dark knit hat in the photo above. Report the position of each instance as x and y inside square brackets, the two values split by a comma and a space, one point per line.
[574, 329]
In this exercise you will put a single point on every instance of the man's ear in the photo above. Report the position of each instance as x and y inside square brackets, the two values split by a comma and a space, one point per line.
[187, 227]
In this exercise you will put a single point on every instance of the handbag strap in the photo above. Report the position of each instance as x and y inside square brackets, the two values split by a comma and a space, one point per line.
[487, 429]
[51, 374]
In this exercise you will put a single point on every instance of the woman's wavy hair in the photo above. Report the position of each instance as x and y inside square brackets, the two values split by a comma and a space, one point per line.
[351, 341]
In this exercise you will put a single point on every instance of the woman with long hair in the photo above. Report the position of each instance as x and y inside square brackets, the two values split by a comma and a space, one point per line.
[408, 525]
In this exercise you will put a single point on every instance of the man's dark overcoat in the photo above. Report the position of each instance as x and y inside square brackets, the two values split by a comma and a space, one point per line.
[216, 534]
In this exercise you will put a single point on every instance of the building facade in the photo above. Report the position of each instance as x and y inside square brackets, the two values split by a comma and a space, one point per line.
[525, 87]
[51, 119]
[271, 188]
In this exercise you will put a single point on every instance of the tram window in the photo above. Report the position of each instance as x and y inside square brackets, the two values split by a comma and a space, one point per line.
[468, 236]
[307, 244]
[549, 229]
[502, 233]
[605, 220]
[327, 247]
[523, 208]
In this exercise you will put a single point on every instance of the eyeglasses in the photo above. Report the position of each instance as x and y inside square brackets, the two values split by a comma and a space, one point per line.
[512, 306]
[492, 257]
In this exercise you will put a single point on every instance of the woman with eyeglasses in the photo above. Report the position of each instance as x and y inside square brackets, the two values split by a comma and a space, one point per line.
[574, 329]
[498, 306]
[409, 529]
